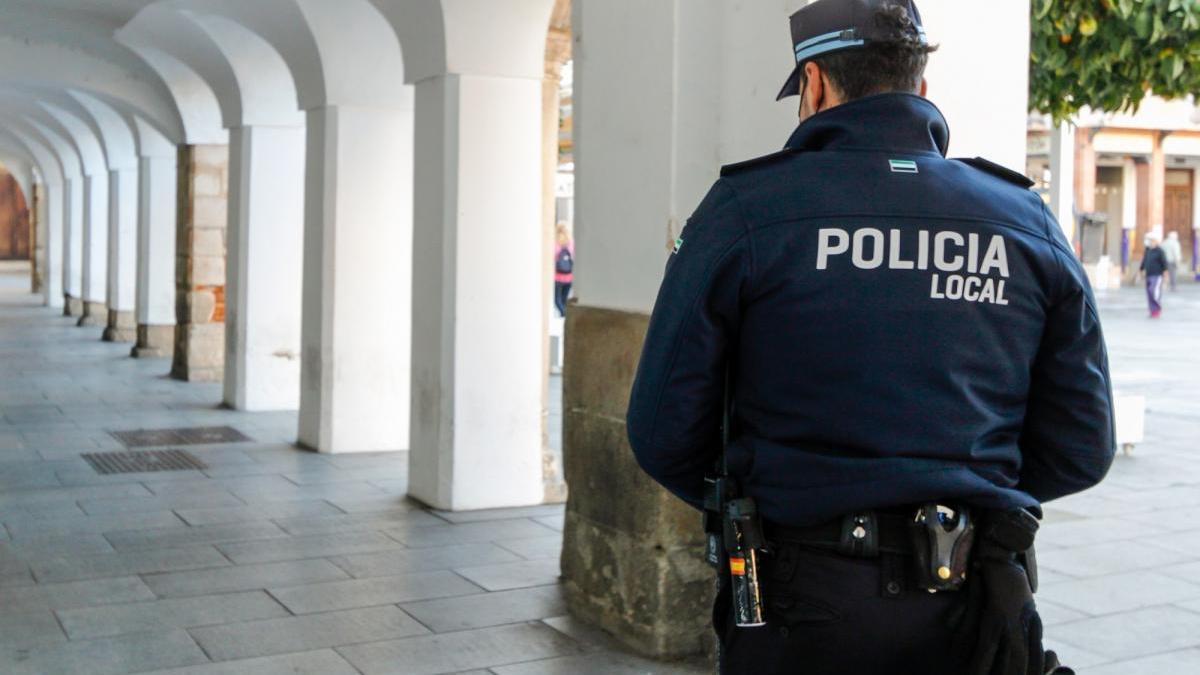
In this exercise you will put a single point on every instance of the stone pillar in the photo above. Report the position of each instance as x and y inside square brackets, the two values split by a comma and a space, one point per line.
[37, 240]
[1158, 183]
[1129, 216]
[357, 290]
[157, 185]
[1085, 170]
[72, 280]
[1062, 177]
[478, 266]
[122, 255]
[664, 94]
[266, 238]
[50, 212]
[95, 250]
[200, 263]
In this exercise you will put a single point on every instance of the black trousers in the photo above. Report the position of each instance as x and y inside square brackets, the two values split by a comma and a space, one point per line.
[829, 614]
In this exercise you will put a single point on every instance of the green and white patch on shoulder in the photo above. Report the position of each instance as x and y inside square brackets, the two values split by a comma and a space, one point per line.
[903, 166]
[678, 245]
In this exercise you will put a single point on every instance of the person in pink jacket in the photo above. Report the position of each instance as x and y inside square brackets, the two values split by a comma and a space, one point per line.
[564, 268]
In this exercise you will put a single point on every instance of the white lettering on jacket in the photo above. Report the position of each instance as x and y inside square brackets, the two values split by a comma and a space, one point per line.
[964, 273]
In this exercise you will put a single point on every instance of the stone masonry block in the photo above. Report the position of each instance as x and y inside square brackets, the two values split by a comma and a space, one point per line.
[207, 241]
[632, 553]
[208, 270]
[208, 183]
[209, 212]
[210, 156]
[200, 306]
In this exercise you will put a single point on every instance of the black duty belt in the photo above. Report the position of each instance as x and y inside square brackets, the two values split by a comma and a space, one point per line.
[861, 535]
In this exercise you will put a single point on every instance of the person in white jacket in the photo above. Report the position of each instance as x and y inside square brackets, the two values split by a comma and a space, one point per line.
[1174, 253]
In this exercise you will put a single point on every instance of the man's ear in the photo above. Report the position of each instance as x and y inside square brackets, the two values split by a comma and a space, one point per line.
[924, 87]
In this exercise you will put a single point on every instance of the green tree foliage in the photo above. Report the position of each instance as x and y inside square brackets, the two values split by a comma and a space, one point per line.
[1109, 54]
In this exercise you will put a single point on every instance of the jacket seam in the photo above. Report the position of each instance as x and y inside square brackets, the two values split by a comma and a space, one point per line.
[687, 319]
[745, 231]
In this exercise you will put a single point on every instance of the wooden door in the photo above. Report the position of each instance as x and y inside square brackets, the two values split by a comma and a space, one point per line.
[1177, 208]
[14, 220]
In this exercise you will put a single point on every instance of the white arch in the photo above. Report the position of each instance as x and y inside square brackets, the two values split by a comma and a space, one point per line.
[52, 178]
[70, 199]
[322, 44]
[133, 90]
[248, 77]
[267, 89]
[87, 144]
[200, 113]
[120, 147]
[95, 214]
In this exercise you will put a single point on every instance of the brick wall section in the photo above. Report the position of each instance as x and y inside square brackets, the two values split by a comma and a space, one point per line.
[200, 263]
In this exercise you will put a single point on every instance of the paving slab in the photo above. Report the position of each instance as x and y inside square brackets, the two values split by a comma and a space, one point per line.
[406, 561]
[312, 631]
[127, 563]
[74, 594]
[505, 576]
[107, 656]
[316, 546]
[488, 609]
[453, 652]
[335, 595]
[1133, 634]
[138, 617]
[243, 578]
[320, 662]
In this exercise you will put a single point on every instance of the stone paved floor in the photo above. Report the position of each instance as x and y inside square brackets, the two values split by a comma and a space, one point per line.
[276, 560]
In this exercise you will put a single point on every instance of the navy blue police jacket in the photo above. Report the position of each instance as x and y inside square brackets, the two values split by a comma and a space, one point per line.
[901, 328]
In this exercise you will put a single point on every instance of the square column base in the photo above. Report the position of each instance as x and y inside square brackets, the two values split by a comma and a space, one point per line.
[154, 342]
[95, 314]
[633, 554]
[72, 306]
[122, 327]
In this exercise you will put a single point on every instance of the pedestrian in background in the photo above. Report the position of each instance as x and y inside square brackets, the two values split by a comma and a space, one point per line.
[1174, 253]
[1154, 266]
[564, 267]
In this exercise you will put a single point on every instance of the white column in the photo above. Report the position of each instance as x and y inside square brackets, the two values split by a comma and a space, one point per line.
[1062, 176]
[264, 272]
[477, 331]
[157, 186]
[95, 249]
[72, 200]
[51, 215]
[122, 254]
[1129, 208]
[354, 391]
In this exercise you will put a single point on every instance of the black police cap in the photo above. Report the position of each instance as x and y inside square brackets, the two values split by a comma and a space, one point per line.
[828, 26]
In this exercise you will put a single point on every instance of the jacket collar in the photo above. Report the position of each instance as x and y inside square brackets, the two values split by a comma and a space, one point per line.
[900, 122]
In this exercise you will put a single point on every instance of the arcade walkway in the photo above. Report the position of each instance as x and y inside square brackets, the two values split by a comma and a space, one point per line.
[271, 560]
[275, 560]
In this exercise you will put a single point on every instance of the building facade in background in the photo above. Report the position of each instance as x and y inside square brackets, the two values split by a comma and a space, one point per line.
[1133, 174]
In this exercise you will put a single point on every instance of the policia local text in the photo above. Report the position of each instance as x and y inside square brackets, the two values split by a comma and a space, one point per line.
[947, 251]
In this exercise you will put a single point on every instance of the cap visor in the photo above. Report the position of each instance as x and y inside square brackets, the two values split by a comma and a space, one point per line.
[792, 86]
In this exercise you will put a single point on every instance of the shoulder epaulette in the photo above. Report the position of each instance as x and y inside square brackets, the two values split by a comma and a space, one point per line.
[997, 170]
[730, 169]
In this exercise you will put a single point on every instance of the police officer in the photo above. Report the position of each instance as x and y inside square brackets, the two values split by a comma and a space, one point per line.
[907, 340]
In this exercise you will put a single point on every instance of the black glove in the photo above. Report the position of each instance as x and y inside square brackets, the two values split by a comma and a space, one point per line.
[1008, 635]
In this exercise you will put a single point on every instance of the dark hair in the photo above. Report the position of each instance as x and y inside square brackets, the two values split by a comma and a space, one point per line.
[896, 64]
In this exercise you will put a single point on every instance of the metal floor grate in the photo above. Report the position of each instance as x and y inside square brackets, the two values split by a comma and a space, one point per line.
[141, 461]
[144, 438]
